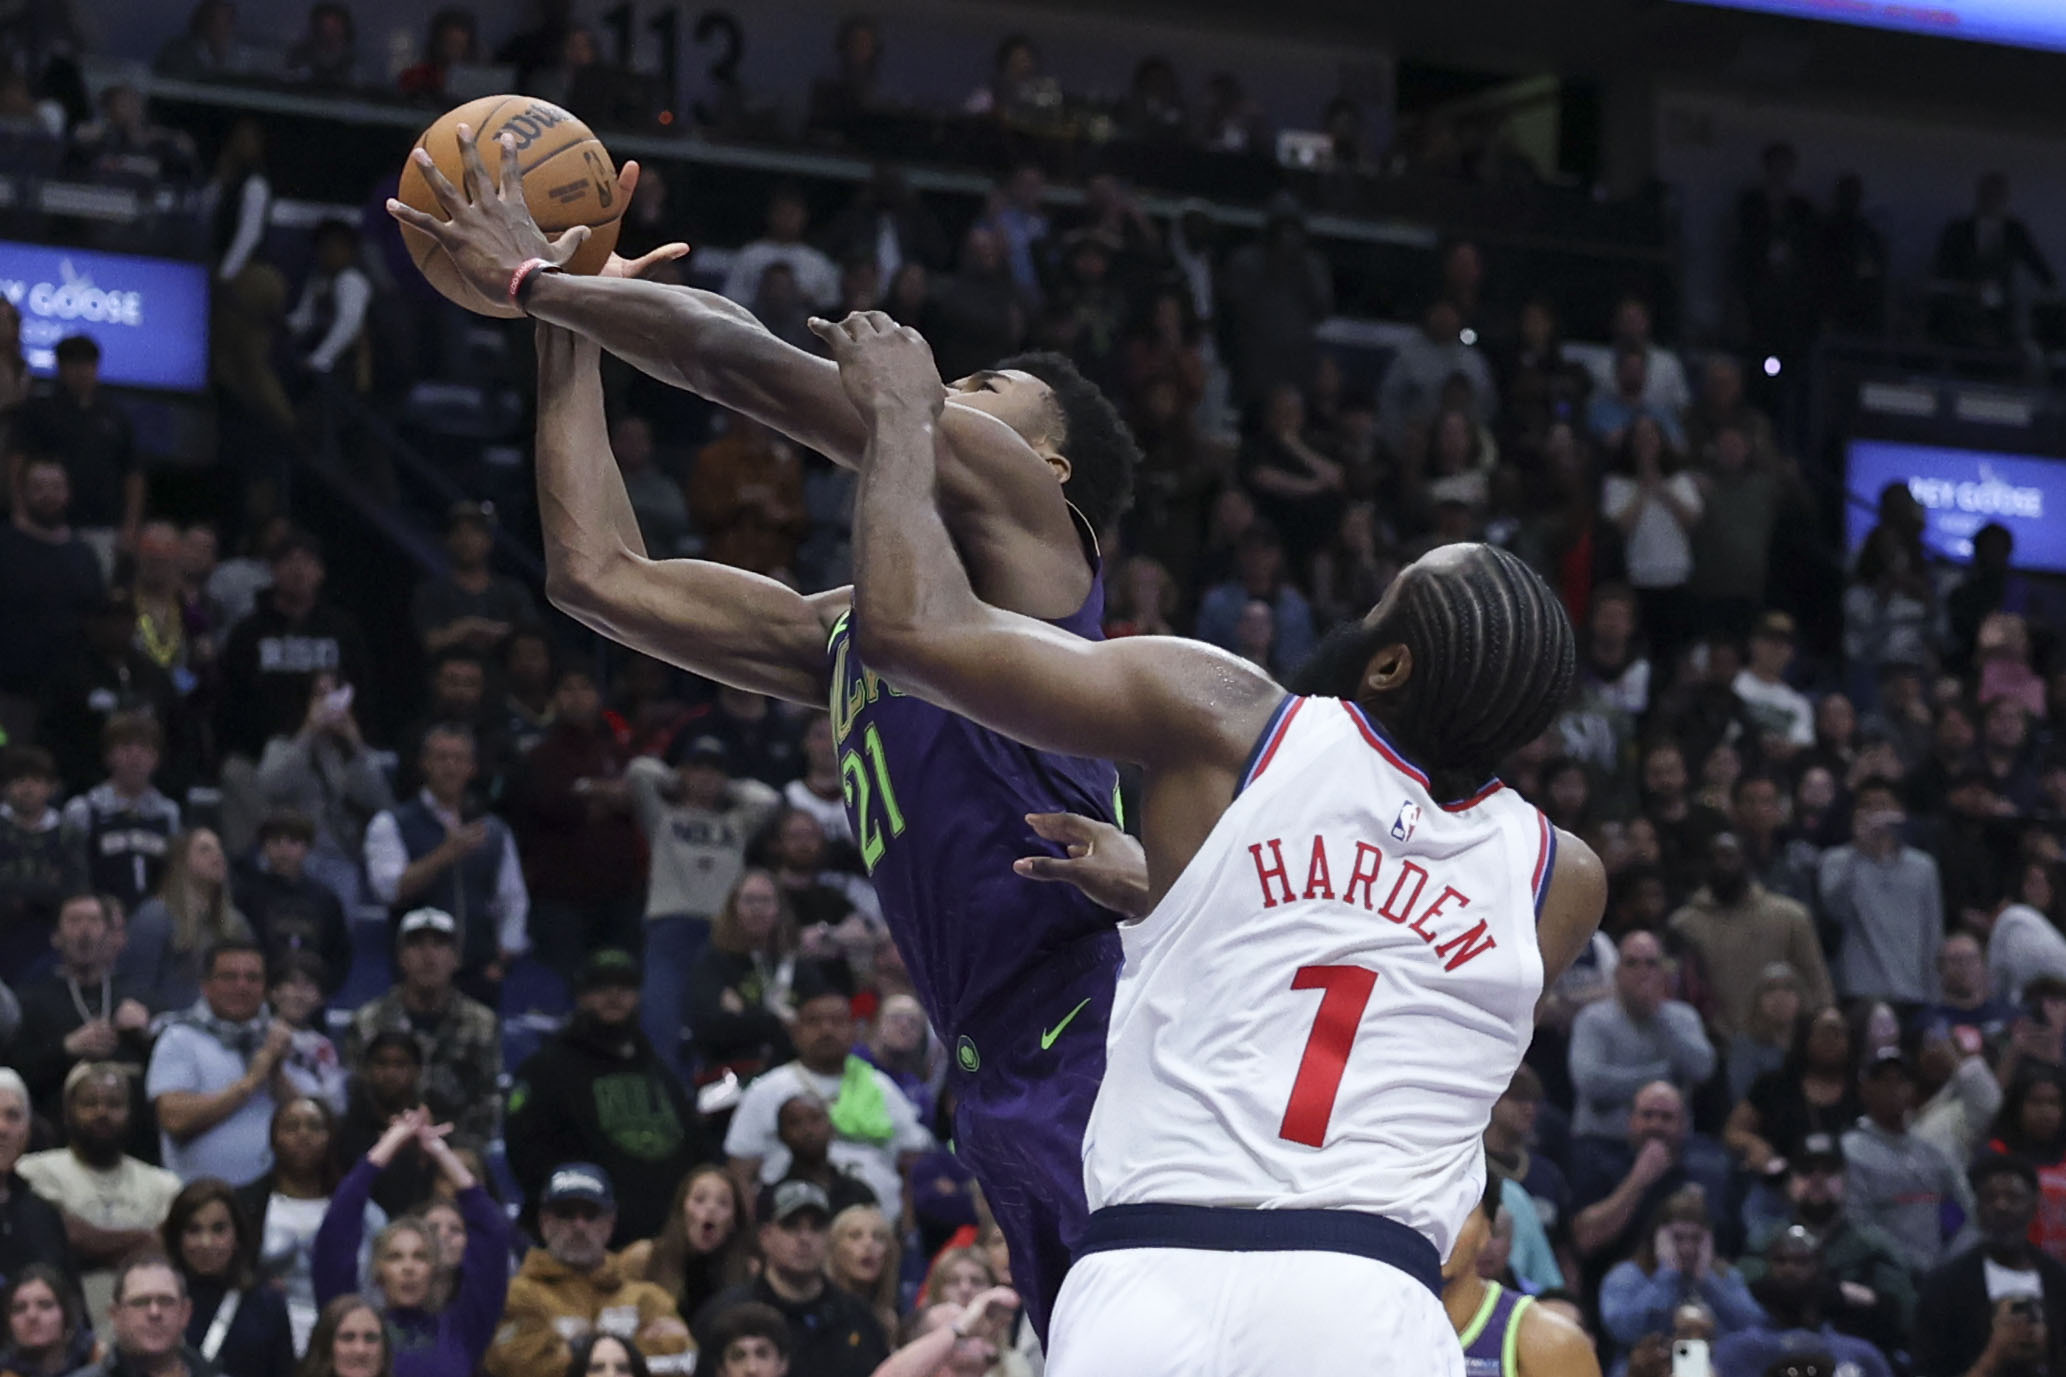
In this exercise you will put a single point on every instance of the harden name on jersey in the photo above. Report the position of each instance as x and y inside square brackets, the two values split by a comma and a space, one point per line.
[1441, 922]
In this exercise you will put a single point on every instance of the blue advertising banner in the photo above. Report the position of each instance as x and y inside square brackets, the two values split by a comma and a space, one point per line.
[1962, 490]
[2018, 23]
[149, 315]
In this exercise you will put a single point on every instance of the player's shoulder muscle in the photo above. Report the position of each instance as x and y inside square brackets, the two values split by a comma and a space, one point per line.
[1552, 1346]
[1577, 900]
[1008, 515]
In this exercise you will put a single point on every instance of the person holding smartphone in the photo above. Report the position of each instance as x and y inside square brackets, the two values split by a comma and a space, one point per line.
[1997, 1309]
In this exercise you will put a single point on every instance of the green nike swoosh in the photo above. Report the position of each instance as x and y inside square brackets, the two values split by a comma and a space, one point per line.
[1047, 1039]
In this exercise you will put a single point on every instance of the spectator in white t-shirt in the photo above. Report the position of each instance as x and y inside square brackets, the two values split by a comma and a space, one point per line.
[876, 1133]
[1666, 388]
[1656, 505]
[817, 278]
[1784, 717]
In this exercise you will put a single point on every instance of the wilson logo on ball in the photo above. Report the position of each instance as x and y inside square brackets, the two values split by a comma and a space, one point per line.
[533, 122]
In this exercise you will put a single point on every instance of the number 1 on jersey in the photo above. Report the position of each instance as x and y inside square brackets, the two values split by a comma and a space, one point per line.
[1347, 994]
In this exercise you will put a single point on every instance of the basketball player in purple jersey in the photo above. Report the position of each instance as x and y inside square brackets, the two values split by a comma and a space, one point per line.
[1015, 975]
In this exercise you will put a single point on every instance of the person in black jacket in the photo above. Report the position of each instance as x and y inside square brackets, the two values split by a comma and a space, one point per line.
[31, 1229]
[288, 910]
[737, 986]
[274, 652]
[81, 1012]
[237, 1324]
[1999, 1307]
[598, 1092]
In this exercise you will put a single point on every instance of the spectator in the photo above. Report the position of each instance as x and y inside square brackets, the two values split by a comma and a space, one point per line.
[31, 1228]
[1296, 487]
[1014, 213]
[458, 694]
[697, 821]
[758, 737]
[91, 435]
[901, 1043]
[112, 1203]
[976, 316]
[644, 1132]
[2000, 1305]
[79, 1013]
[658, 500]
[274, 654]
[208, 49]
[442, 1326]
[1893, 1179]
[1640, 1036]
[147, 1322]
[861, 1259]
[1624, 398]
[325, 776]
[1874, 1295]
[835, 1334]
[528, 674]
[453, 41]
[841, 100]
[749, 1339]
[1890, 605]
[1781, 863]
[285, 1207]
[287, 909]
[123, 142]
[738, 997]
[1018, 91]
[1975, 271]
[841, 905]
[1665, 389]
[1794, 1294]
[1509, 1152]
[37, 869]
[598, 1354]
[572, 1286]
[788, 217]
[48, 1333]
[888, 225]
[1614, 664]
[746, 495]
[171, 933]
[876, 1129]
[949, 1339]
[571, 810]
[1618, 1186]
[1735, 928]
[169, 630]
[326, 55]
[1991, 585]
[1261, 578]
[2006, 754]
[1721, 406]
[1854, 263]
[1656, 505]
[460, 1050]
[121, 831]
[1776, 259]
[1675, 1263]
[1411, 393]
[1732, 545]
[1888, 900]
[350, 1339]
[1272, 297]
[214, 1072]
[1966, 997]
[327, 327]
[387, 1083]
[1813, 1092]
[1765, 1039]
[435, 850]
[215, 1249]
[470, 607]
[2022, 945]
[1959, 1093]
[2031, 1123]
[804, 1129]
[705, 1245]
[311, 1066]
[50, 579]
[816, 791]
[108, 678]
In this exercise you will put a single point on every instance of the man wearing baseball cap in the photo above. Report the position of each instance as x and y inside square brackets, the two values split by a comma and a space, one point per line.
[573, 1286]
[833, 1333]
[462, 1052]
[1872, 1295]
[645, 1131]
[1895, 1179]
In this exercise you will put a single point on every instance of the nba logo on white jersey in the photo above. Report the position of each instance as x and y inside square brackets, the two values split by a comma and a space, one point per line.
[1408, 819]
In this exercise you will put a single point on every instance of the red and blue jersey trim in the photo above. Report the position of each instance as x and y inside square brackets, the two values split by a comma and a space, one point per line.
[1265, 748]
[1384, 746]
[1545, 863]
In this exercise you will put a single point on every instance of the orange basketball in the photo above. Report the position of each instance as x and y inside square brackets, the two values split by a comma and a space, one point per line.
[569, 180]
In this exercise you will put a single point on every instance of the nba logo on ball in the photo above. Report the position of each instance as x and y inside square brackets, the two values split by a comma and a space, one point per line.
[1408, 819]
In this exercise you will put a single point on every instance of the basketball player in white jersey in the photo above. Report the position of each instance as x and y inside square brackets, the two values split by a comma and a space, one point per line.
[1350, 922]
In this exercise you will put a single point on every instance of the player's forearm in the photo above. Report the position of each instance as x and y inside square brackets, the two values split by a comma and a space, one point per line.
[582, 502]
[910, 590]
[702, 343]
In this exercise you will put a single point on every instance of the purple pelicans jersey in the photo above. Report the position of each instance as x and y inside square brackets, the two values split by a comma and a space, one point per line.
[1015, 974]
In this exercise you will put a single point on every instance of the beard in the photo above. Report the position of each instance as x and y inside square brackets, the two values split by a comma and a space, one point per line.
[1729, 890]
[1335, 668]
[97, 1151]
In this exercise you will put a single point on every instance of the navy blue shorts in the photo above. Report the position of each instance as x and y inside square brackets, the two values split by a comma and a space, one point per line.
[1026, 1078]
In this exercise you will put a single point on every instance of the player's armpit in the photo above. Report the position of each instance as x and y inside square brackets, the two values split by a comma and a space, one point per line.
[1577, 900]
[727, 624]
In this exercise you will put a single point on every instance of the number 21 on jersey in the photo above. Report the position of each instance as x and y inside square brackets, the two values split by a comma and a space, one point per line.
[1345, 994]
[856, 784]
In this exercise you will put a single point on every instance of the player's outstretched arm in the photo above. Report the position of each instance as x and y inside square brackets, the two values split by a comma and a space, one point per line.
[1158, 701]
[1004, 503]
[723, 623]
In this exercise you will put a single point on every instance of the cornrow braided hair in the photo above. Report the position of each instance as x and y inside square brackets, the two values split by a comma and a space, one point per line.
[1494, 658]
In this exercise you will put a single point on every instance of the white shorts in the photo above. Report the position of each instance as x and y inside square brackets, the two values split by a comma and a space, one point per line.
[1191, 1312]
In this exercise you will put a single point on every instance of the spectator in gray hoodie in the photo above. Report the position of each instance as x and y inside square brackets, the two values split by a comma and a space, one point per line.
[1893, 1178]
[1641, 1035]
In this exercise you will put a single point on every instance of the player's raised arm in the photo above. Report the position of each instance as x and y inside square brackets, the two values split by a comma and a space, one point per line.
[723, 623]
[1154, 700]
[1005, 502]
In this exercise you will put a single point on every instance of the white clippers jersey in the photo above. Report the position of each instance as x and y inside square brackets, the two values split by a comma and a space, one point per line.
[1322, 1010]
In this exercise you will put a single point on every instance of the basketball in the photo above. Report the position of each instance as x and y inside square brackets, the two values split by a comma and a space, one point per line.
[569, 180]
